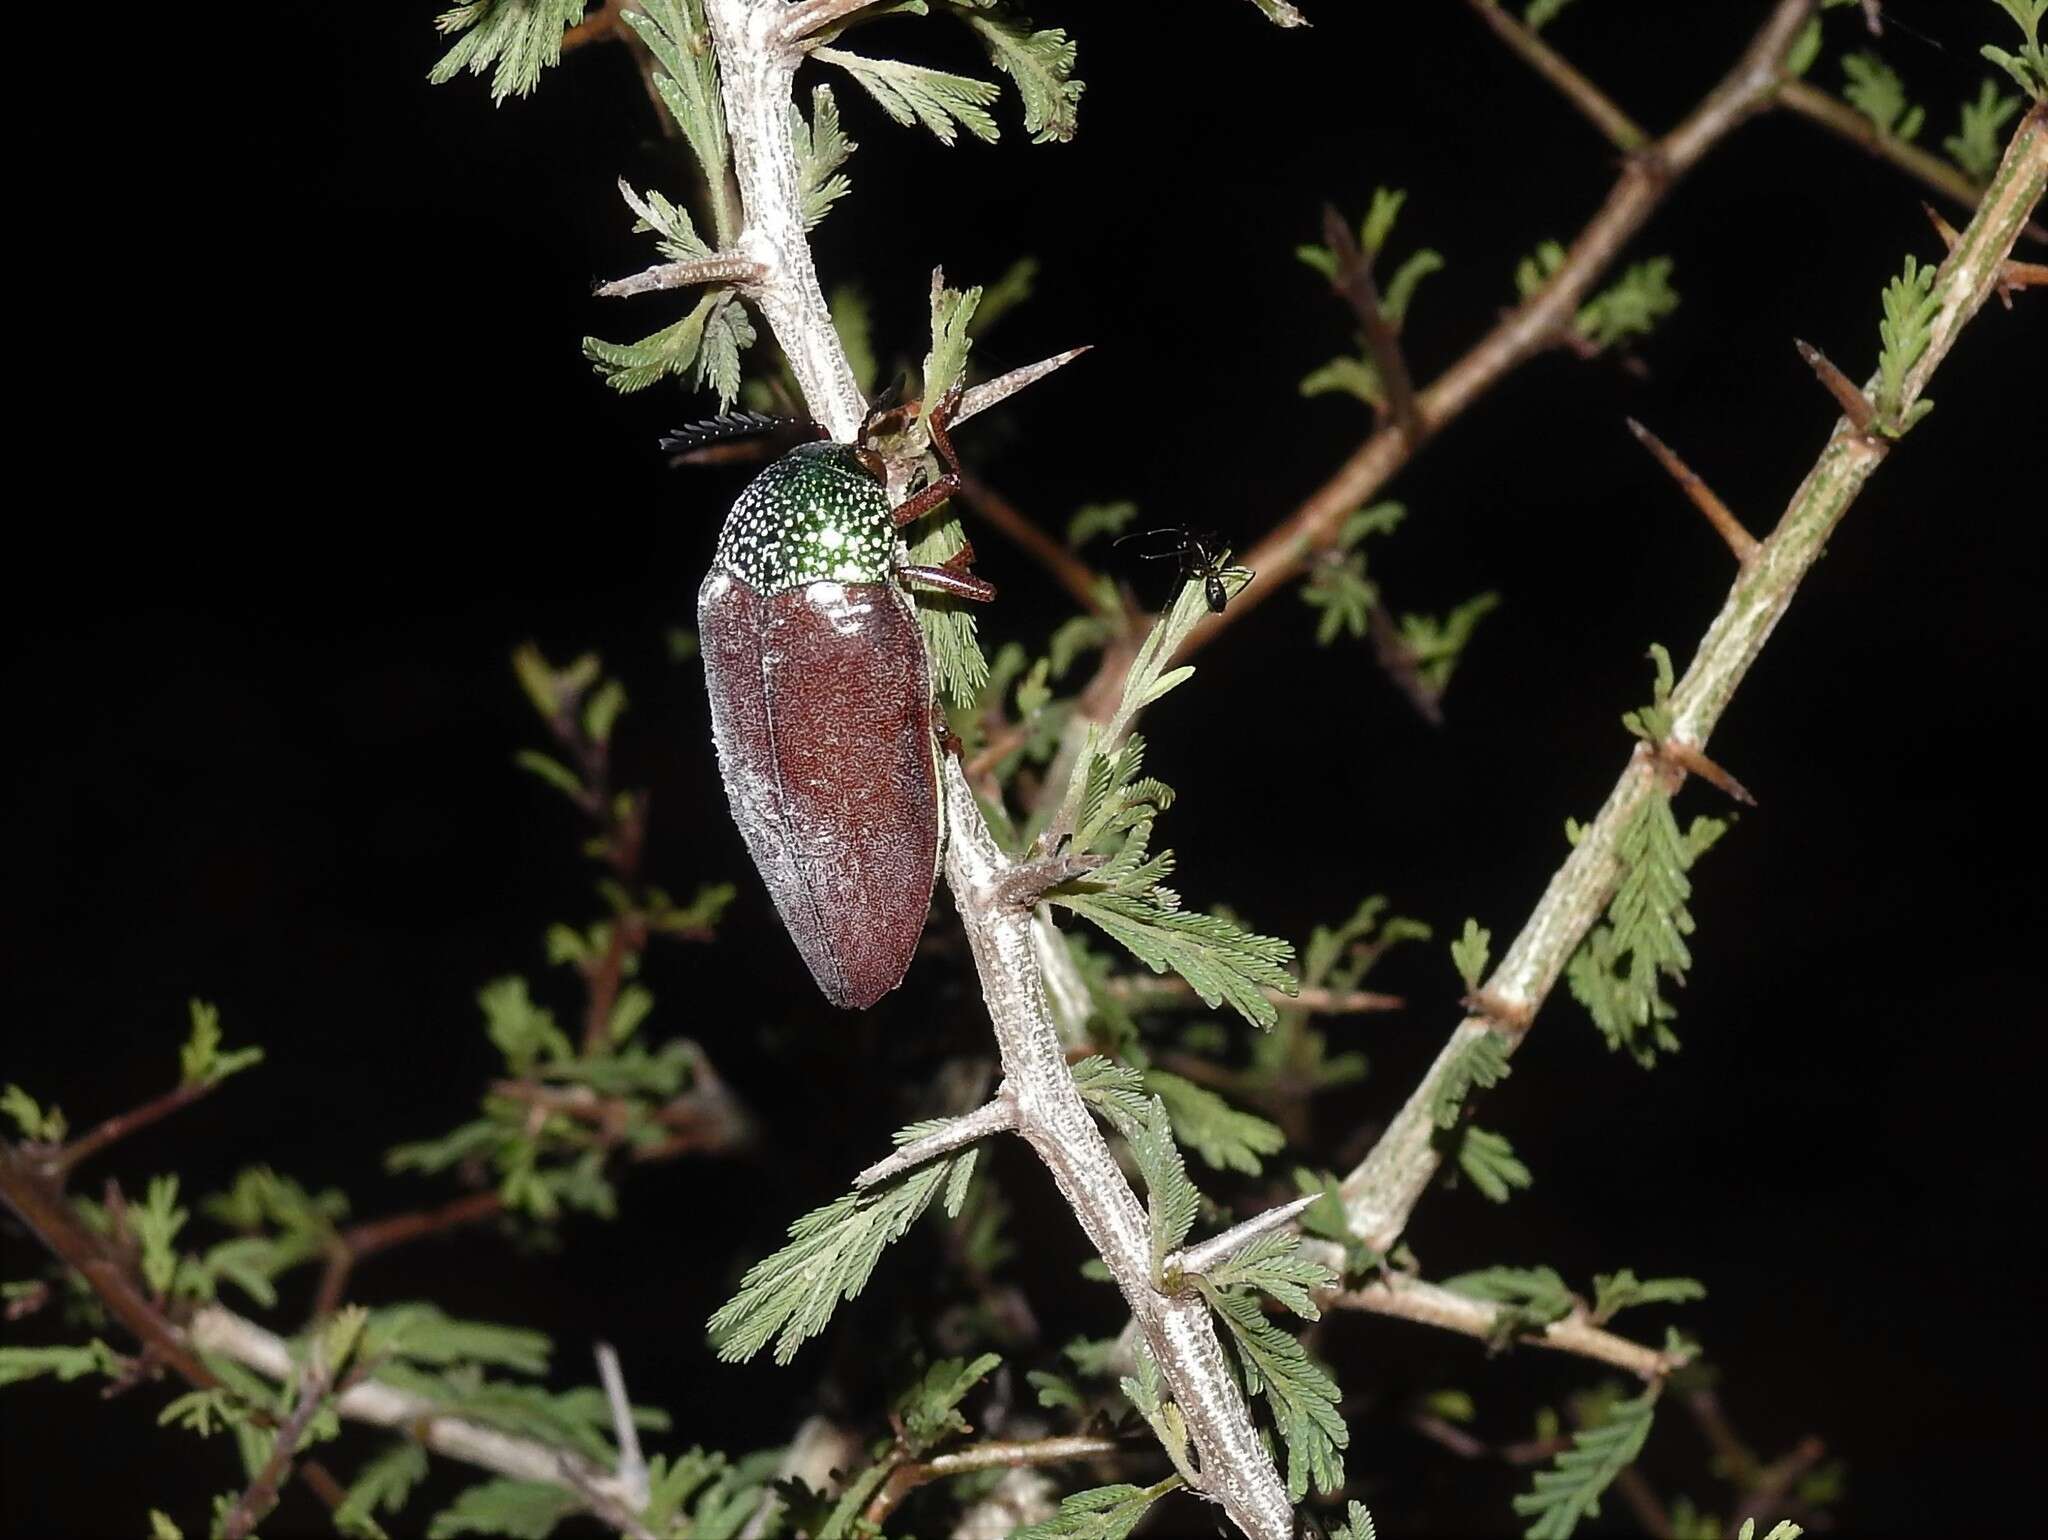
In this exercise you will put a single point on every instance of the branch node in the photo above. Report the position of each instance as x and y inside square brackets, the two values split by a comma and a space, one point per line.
[1503, 1015]
[1685, 757]
[1028, 881]
[997, 1116]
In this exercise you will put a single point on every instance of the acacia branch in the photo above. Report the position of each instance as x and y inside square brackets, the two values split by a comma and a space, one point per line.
[217, 1330]
[1593, 103]
[1353, 281]
[60, 1162]
[1531, 327]
[756, 63]
[1845, 122]
[1381, 1191]
[1013, 1455]
[1430, 1304]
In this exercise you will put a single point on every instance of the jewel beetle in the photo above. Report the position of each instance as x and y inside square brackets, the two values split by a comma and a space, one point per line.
[822, 708]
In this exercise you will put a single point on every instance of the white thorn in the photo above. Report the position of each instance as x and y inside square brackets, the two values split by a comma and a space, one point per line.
[1193, 1261]
[632, 1470]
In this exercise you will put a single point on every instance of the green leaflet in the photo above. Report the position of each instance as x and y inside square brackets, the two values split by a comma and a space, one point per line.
[910, 93]
[514, 39]
[1571, 1489]
[790, 1296]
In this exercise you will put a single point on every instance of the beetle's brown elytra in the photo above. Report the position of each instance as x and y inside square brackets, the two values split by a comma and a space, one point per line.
[822, 709]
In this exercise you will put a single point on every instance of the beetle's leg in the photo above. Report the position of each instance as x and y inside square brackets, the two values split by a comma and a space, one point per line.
[951, 576]
[937, 423]
[922, 502]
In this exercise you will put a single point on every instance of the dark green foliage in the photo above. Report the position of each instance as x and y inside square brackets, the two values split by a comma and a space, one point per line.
[1481, 1063]
[1979, 142]
[1874, 89]
[1571, 1489]
[1337, 584]
[1469, 954]
[1616, 1292]
[1300, 1393]
[1226, 1138]
[1618, 971]
[833, 1250]
[1357, 1523]
[928, 1413]
[1040, 63]
[2029, 67]
[943, 102]
[507, 1510]
[1100, 1513]
[514, 39]
[1907, 329]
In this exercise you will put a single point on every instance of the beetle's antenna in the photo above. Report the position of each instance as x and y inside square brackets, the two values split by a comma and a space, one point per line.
[721, 438]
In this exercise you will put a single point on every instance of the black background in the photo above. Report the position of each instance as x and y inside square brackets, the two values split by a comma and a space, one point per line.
[316, 449]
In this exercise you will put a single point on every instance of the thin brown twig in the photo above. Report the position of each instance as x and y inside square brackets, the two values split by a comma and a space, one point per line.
[1397, 660]
[1529, 328]
[1353, 280]
[1429, 1304]
[62, 1161]
[1593, 104]
[1080, 580]
[1844, 121]
[260, 1495]
[38, 1201]
[1739, 540]
[907, 1476]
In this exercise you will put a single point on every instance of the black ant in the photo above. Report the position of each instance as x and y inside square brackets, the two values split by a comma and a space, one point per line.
[1201, 554]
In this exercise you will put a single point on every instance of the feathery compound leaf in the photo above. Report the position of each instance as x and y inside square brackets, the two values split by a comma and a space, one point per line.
[1616, 1292]
[516, 39]
[383, 1484]
[1572, 1488]
[929, 1410]
[66, 1363]
[1978, 143]
[1541, 13]
[630, 366]
[45, 1127]
[2029, 67]
[727, 334]
[1039, 63]
[1303, 1398]
[1533, 1296]
[1357, 1525]
[421, 1333]
[200, 1061]
[822, 147]
[1101, 1513]
[1617, 971]
[833, 1250]
[1481, 1063]
[1907, 328]
[1436, 647]
[687, 82]
[1470, 952]
[1225, 1138]
[506, 1510]
[1274, 1264]
[1874, 89]
[1630, 307]
[1489, 1162]
[910, 93]
[676, 237]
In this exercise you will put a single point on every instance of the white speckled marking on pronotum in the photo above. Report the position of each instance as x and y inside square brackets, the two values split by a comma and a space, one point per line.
[815, 515]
